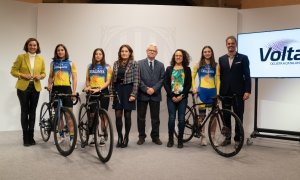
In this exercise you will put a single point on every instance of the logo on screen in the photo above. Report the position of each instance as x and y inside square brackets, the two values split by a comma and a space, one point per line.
[280, 51]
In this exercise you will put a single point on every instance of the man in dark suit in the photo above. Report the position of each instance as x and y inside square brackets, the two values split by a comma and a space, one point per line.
[235, 80]
[152, 75]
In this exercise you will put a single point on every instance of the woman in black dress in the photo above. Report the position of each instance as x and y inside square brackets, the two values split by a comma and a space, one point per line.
[125, 82]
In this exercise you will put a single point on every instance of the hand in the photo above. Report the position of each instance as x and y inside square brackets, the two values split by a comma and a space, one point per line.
[26, 76]
[74, 97]
[246, 96]
[49, 87]
[131, 98]
[195, 91]
[150, 91]
[37, 77]
[179, 98]
[95, 90]
[86, 89]
[174, 99]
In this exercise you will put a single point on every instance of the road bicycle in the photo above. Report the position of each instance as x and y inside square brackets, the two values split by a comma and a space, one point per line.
[61, 121]
[220, 131]
[94, 120]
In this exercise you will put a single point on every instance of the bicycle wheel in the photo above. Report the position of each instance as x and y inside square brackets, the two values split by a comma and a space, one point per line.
[221, 131]
[83, 125]
[189, 125]
[65, 132]
[104, 137]
[45, 122]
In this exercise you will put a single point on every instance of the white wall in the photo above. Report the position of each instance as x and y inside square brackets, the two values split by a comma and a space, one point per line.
[18, 23]
[84, 27]
[278, 105]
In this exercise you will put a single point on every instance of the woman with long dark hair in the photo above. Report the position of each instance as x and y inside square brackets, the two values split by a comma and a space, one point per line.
[177, 84]
[125, 82]
[208, 86]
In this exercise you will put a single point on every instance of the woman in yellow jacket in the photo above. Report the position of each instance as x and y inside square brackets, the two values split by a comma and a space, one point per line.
[29, 68]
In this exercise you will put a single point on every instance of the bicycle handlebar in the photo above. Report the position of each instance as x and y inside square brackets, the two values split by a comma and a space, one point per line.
[89, 94]
[56, 94]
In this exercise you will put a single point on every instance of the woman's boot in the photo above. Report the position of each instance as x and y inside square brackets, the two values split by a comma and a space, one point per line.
[171, 140]
[120, 140]
[25, 138]
[180, 142]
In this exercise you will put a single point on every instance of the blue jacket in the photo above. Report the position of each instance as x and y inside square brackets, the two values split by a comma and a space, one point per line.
[150, 78]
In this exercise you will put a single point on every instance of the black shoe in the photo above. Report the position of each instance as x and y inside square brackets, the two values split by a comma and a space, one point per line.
[197, 135]
[32, 142]
[141, 141]
[180, 144]
[170, 143]
[125, 142]
[226, 142]
[120, 142]
[157, 141]
[26, 139]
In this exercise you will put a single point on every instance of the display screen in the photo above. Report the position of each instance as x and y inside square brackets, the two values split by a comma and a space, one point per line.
[272, 53]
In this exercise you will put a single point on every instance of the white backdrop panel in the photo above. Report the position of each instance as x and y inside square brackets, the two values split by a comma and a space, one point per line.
[278, 98]
[84, 27]
[18, 23]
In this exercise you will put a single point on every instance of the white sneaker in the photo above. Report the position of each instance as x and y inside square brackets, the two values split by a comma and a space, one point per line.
[203, 141]
[72, 141]
[215, 142]
[102, 142]
[60, 139]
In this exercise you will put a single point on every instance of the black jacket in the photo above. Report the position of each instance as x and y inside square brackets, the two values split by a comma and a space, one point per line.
[237, 78]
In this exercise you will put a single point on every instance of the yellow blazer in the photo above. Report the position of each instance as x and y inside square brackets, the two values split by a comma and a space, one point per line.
[22, 66]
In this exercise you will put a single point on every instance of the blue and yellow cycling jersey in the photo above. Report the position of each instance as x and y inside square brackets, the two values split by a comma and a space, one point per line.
[62, 72]
[98, 75]
[208, 77]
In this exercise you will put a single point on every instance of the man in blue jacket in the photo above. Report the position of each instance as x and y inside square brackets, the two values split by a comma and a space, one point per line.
[152, 74]
[235, 80]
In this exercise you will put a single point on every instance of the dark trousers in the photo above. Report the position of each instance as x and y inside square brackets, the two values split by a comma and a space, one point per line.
[154, 114]
[28, 101]
[237, 104]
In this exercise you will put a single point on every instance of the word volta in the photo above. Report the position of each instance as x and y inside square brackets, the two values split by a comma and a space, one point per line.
[286, 54]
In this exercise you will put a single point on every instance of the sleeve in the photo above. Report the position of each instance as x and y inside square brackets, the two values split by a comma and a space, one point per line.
[194, 74]
[73, 68]
[136, 79]
[87, 77]
[188, 82]
[217, 79]
[111, 86]
[15, 69]
[43, 69]
[167, 82]
[247, 74]
[109, 73]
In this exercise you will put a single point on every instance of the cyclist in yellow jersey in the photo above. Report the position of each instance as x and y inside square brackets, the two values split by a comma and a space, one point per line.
[98, 78]
[62, 70]
[209, 83]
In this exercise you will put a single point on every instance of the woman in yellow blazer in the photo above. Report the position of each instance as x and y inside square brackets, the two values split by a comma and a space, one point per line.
[29, 68]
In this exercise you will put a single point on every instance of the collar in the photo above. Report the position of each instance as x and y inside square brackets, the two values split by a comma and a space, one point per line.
[31, 55]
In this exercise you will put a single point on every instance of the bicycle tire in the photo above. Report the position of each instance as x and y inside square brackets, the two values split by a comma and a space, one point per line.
[83, 125]
[45, 121]
[189, 125]
[221, 139]
[104, 138]
[65, 143]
